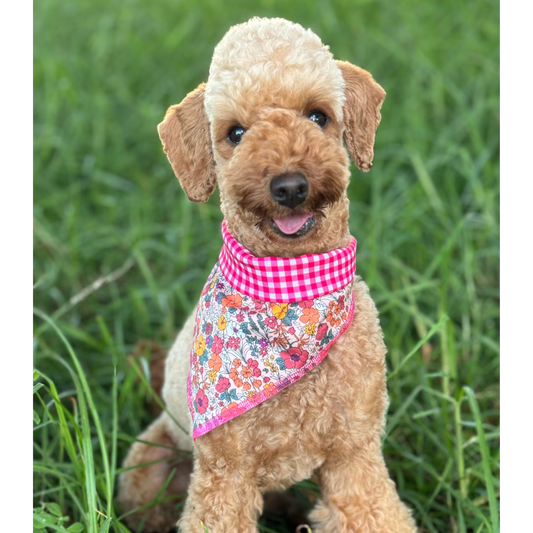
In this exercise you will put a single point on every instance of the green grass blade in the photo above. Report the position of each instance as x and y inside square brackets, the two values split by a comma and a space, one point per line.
[419, 345]
[485, 459]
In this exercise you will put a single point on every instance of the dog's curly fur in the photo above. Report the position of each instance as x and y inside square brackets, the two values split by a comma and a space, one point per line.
[267, 75]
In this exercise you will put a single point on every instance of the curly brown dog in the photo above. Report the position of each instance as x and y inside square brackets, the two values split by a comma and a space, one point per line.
[277, 103]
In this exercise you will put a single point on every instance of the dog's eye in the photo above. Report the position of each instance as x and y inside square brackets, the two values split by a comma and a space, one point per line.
[318, 118]
[235, 134]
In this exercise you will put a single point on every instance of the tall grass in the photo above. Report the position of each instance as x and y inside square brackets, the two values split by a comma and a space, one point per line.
[121, 255]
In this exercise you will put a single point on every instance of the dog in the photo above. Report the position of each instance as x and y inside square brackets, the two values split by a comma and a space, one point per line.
[272, 127]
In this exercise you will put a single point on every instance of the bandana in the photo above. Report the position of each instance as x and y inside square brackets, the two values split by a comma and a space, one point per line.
[261, 324]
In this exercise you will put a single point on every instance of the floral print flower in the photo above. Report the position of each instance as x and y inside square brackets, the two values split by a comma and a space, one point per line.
[341, 301]
[294, 357]
[270, 322]
[310, 328]
[215, 362]
[200, 345]
[202, 402]
[222, 322]
[246, 372]
[233, 343]
[232, 300]
[333, 320]
[309, 314]
[218, 345]
[235, 377]
[280, 310]
[253, 366]
[223, 384]
[322, 330]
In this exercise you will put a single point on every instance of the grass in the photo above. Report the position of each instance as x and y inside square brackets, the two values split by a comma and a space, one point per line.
[108, 208]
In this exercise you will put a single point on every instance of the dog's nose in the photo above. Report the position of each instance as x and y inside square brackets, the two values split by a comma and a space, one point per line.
[289, 189]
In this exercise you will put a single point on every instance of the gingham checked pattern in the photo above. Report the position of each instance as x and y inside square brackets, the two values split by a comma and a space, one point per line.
[280, 279]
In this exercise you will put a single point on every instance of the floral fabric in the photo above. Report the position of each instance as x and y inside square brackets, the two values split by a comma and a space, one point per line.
[246, 350]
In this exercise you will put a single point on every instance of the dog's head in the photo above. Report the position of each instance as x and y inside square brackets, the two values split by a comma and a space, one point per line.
[268, 127]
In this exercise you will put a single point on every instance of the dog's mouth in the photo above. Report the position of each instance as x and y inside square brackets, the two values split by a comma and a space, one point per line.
[293, 226]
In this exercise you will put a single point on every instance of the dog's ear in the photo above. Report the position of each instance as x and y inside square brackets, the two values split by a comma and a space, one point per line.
[187, 143]
[361, 113]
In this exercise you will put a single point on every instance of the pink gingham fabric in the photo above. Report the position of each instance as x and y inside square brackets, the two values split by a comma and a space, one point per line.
[285, 279]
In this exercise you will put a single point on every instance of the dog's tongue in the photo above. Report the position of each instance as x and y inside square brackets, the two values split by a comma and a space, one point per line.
[292, 224]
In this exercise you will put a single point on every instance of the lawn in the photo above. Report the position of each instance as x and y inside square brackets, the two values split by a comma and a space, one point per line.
[120, 254]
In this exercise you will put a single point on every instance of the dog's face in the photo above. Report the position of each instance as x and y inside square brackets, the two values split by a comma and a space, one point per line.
[268, 127]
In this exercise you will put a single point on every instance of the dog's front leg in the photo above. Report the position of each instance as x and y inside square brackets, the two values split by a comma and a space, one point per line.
[358, 495]
[223, 493]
